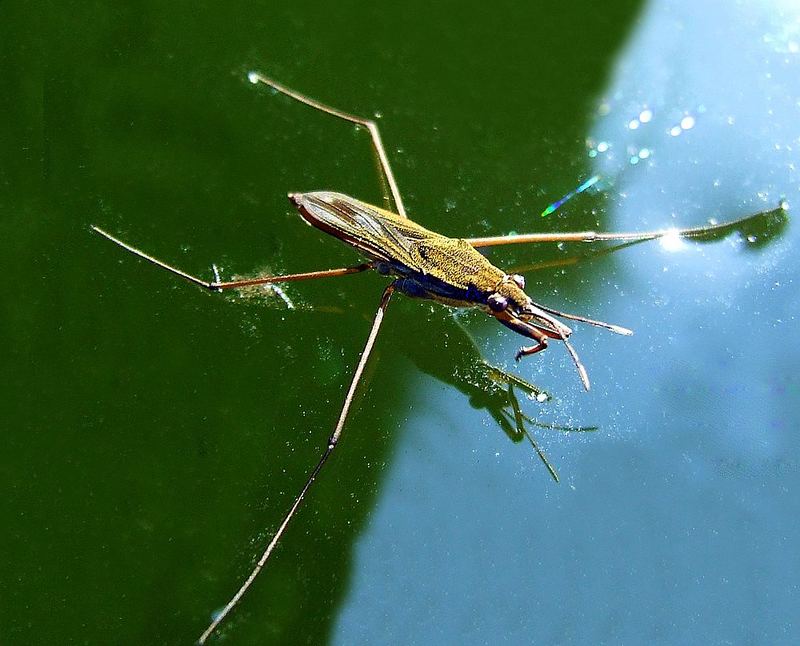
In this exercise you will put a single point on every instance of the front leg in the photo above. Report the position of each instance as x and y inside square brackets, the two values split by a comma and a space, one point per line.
[526, 350]
[541, 336]
[526, 329]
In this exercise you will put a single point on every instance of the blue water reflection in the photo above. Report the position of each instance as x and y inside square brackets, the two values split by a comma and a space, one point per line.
[676, 522]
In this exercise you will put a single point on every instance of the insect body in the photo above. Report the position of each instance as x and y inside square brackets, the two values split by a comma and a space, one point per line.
[432, 266]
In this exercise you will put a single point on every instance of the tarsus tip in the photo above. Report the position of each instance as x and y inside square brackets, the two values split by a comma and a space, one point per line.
[621, 330]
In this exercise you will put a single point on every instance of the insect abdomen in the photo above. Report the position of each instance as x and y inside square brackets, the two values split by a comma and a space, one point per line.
[425, 286]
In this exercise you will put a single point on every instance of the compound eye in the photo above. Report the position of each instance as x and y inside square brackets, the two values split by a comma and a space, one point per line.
[519, 280]
[497, 303]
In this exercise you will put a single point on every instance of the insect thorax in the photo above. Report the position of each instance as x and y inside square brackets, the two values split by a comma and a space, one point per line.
[448, 271]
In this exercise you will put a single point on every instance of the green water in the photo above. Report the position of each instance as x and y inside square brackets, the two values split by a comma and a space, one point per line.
[155, 434]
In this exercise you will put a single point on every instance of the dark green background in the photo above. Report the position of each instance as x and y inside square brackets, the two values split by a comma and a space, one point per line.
[154, 434]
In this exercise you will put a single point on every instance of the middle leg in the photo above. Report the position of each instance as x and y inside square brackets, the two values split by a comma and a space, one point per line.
[218, 285]
[371, 126]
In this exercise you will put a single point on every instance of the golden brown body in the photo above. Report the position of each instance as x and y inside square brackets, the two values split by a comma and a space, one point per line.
[429, 264]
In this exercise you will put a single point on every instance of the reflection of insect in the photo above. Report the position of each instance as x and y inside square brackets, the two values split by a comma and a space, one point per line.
[425, 265]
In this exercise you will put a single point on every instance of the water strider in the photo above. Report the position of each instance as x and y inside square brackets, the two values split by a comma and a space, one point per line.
[425, 265]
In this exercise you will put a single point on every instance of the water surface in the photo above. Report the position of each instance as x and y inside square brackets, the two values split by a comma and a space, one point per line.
[155, 434]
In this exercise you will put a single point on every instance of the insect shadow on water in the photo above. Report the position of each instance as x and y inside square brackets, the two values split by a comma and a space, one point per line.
[426, 265]
[487, 387]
